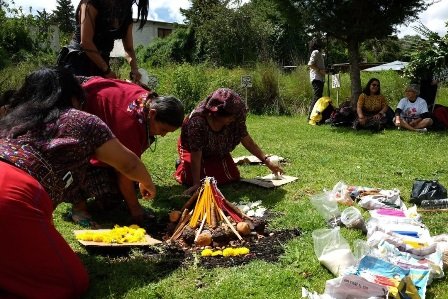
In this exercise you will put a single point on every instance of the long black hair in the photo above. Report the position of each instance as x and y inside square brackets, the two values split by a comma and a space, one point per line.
[366, 89]
[142, 11]
[42, 97]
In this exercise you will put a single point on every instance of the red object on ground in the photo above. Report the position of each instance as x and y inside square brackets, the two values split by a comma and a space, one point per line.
[223, 169]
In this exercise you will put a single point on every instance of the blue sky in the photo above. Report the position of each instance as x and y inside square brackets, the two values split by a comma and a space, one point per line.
[168, 10]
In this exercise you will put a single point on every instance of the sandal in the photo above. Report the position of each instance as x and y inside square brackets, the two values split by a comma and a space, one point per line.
[83, 218]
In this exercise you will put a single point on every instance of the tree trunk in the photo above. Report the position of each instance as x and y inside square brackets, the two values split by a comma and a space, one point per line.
[355, 75]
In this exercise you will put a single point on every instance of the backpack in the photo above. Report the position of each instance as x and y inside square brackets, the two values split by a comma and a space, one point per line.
[322, 111]
[342, 116]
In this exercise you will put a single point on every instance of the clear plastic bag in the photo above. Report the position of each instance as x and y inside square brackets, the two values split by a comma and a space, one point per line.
[332, 250]
[341, 194]
[327, 208]
[351, 217]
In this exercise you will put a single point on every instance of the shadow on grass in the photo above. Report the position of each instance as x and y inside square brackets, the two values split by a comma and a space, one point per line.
[114, 272]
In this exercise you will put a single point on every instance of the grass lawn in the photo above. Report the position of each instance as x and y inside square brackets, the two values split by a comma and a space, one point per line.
[319, 156]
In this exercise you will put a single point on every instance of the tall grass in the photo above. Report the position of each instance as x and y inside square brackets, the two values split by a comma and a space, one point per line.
[273, 91]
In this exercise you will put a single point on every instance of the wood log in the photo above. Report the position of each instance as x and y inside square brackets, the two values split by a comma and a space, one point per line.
[192, 199]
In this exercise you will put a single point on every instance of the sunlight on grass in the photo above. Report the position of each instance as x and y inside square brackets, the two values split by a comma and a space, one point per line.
[319, 156]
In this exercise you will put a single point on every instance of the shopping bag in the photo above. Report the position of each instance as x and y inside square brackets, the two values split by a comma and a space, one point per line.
[427, 190]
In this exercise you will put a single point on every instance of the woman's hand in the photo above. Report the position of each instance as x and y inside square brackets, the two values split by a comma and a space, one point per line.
[362, 120]
[148, 191]
[136, 76]
[274, 167]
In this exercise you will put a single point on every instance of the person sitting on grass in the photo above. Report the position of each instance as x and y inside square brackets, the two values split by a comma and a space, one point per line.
[45, 148]
[412, 111]
[371, 107]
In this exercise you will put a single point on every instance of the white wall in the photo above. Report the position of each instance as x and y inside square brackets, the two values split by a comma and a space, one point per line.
[141, 37]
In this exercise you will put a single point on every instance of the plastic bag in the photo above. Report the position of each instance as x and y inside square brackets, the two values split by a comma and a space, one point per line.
[352, 286]
[332, 250]
[326, 208]
[341, 194]
[352, 218]
[427, 190]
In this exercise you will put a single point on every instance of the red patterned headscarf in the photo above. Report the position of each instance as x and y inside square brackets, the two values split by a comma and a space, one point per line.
[226, 99]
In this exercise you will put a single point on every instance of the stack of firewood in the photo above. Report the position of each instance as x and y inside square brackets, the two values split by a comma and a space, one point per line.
[213, 219]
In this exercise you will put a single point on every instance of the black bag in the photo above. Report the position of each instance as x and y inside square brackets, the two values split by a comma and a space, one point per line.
[343, 116]
[427, 190]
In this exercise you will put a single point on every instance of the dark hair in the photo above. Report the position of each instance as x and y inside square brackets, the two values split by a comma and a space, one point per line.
[169, 110]
[315, 44]
[142, 11]
[42, 97]
[366, 89]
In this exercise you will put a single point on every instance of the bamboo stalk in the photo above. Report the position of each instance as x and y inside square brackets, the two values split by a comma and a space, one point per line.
[230, 224]
[200, 227]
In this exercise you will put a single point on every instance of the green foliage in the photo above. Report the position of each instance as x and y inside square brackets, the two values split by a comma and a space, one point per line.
[23, 37]
[227, 36]
[64, 16]
[430, 56]
[355, 21]
[381, 50]
[190, 84]
[176, 47]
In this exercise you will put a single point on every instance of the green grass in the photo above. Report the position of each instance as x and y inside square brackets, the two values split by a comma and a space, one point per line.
[319, 156]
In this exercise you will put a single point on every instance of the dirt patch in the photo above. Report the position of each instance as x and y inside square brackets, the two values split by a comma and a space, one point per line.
[269, 247]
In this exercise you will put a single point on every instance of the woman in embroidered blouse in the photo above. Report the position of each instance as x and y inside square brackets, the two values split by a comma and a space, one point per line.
[214, 128]
[371, 107]
[98, 24]
[136, 116]
[45, 148]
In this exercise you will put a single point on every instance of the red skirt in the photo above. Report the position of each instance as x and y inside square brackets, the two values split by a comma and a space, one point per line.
[35, 261]
[223, 169]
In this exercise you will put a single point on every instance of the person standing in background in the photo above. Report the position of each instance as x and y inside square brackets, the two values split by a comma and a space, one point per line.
[316, 65]
[98, 24]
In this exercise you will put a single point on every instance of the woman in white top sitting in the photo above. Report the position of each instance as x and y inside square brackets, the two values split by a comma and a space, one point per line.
[412, 111]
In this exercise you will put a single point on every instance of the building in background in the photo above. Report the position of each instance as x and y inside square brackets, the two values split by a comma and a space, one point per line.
[150, 31]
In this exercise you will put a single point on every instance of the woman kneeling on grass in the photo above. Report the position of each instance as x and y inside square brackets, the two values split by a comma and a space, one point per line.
[214, 128]
[412, 111]
[135, 116]
[45, 148]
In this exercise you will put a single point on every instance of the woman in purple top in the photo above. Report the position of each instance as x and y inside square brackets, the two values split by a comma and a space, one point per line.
[215, 127]
[45, 148]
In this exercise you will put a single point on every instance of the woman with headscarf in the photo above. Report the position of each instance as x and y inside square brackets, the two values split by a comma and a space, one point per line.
[208, 135]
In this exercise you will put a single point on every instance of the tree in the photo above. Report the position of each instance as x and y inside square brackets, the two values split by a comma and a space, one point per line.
[354, 21]
[429, 56]
[64, 16]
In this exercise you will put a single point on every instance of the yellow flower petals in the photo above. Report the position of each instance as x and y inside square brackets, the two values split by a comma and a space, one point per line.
[206, 252]
[119, 234]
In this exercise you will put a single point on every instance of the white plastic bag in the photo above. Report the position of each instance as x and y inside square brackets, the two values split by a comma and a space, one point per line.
[327, 208]
[332, 250]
